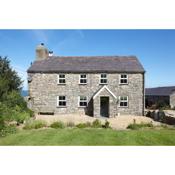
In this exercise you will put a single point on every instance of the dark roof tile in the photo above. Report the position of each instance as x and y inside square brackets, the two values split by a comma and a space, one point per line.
[87, 64]
[160, 91]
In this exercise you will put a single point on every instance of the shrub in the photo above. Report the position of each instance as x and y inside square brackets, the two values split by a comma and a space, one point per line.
[11, 129]
[70, 124]
[83, 125]
[14, 99]
[21, 117]
[135, 126]
[58, 124]
[34, 124]
[106, 125]
[96, 124]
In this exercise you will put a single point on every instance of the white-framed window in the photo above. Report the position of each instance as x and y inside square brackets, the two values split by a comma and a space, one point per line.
[103, 79]
[123, 101]
[61, 101]
[123, 79]
[82, 101]
[83, 79]
[61, 79]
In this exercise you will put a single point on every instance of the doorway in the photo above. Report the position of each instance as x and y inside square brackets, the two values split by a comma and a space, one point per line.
[104, 106]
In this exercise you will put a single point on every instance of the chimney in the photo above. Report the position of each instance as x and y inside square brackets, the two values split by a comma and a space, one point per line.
[50, 53]
[41, 52]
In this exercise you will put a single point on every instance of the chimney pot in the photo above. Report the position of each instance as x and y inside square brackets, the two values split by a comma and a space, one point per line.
[50, 53]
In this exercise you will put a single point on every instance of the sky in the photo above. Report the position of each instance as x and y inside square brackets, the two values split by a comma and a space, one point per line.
[154, 48]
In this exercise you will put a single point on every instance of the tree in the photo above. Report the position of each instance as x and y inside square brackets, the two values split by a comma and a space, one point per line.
[12, 104]
[9, 79]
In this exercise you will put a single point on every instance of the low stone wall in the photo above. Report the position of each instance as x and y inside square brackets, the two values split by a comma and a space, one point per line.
[161, 116]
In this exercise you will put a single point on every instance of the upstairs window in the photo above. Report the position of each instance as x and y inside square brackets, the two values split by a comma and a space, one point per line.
[61, 101]
[83, 79]
[82, 101]
[123, 79]
[61, 79]
[123, 101]
[103, 79]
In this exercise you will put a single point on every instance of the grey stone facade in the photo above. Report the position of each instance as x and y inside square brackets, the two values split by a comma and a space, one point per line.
[172, 99]
[43, 92]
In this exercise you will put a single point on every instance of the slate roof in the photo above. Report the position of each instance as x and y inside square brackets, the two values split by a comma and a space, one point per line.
[160, 91]
[87, 64]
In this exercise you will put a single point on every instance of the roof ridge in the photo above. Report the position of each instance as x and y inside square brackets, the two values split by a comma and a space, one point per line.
[97, 56]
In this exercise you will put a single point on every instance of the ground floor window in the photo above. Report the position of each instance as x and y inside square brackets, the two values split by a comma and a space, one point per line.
[82, 101]
[123, 101]
[61, 101]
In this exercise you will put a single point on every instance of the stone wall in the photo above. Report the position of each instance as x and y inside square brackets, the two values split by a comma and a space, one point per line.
[172, 100]
[43, 92]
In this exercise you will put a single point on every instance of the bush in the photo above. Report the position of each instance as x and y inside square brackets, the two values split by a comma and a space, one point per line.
[70, 124]
[135, 126]
[57, 125]
[21, 117]
[11, 129]
[96, 124]
[14, 99]
[34, 124]
[106, 125]
[83, 125]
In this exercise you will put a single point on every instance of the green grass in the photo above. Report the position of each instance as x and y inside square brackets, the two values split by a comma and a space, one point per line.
[90, 136]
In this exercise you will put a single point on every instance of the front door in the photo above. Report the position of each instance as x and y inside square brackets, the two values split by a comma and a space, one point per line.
[104, 106]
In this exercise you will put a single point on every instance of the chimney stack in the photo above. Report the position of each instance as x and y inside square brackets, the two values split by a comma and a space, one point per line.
[41, 52]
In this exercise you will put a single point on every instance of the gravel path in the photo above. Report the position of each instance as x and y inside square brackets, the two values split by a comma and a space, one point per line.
[120, 122]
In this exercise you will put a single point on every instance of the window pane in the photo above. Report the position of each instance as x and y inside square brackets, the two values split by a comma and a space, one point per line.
[83, 76]
[83, 98]
[125, 103]
[61, 76]
[83, 81]
[63, 81]
[62, 98]
[103, 81]
[103, 75]
[123, 76]
[83, 103]
[62, 103]
[123, 81]
[124, 98]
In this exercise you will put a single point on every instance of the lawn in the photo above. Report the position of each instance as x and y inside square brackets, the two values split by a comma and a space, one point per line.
[90, 137]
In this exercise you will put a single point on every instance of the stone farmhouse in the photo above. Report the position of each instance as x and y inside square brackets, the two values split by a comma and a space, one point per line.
[97, 86]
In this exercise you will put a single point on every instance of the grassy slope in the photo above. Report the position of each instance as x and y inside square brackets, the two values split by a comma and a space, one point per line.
[90, 137]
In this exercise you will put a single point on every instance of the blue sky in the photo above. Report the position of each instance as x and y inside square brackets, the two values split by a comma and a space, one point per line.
[154, 48]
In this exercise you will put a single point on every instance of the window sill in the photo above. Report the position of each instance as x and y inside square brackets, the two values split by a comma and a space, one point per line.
[123, 107]
[61, 106]
[61, 83]
[123, 83]
[82, 83]
[103, 83]
[82, 106]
